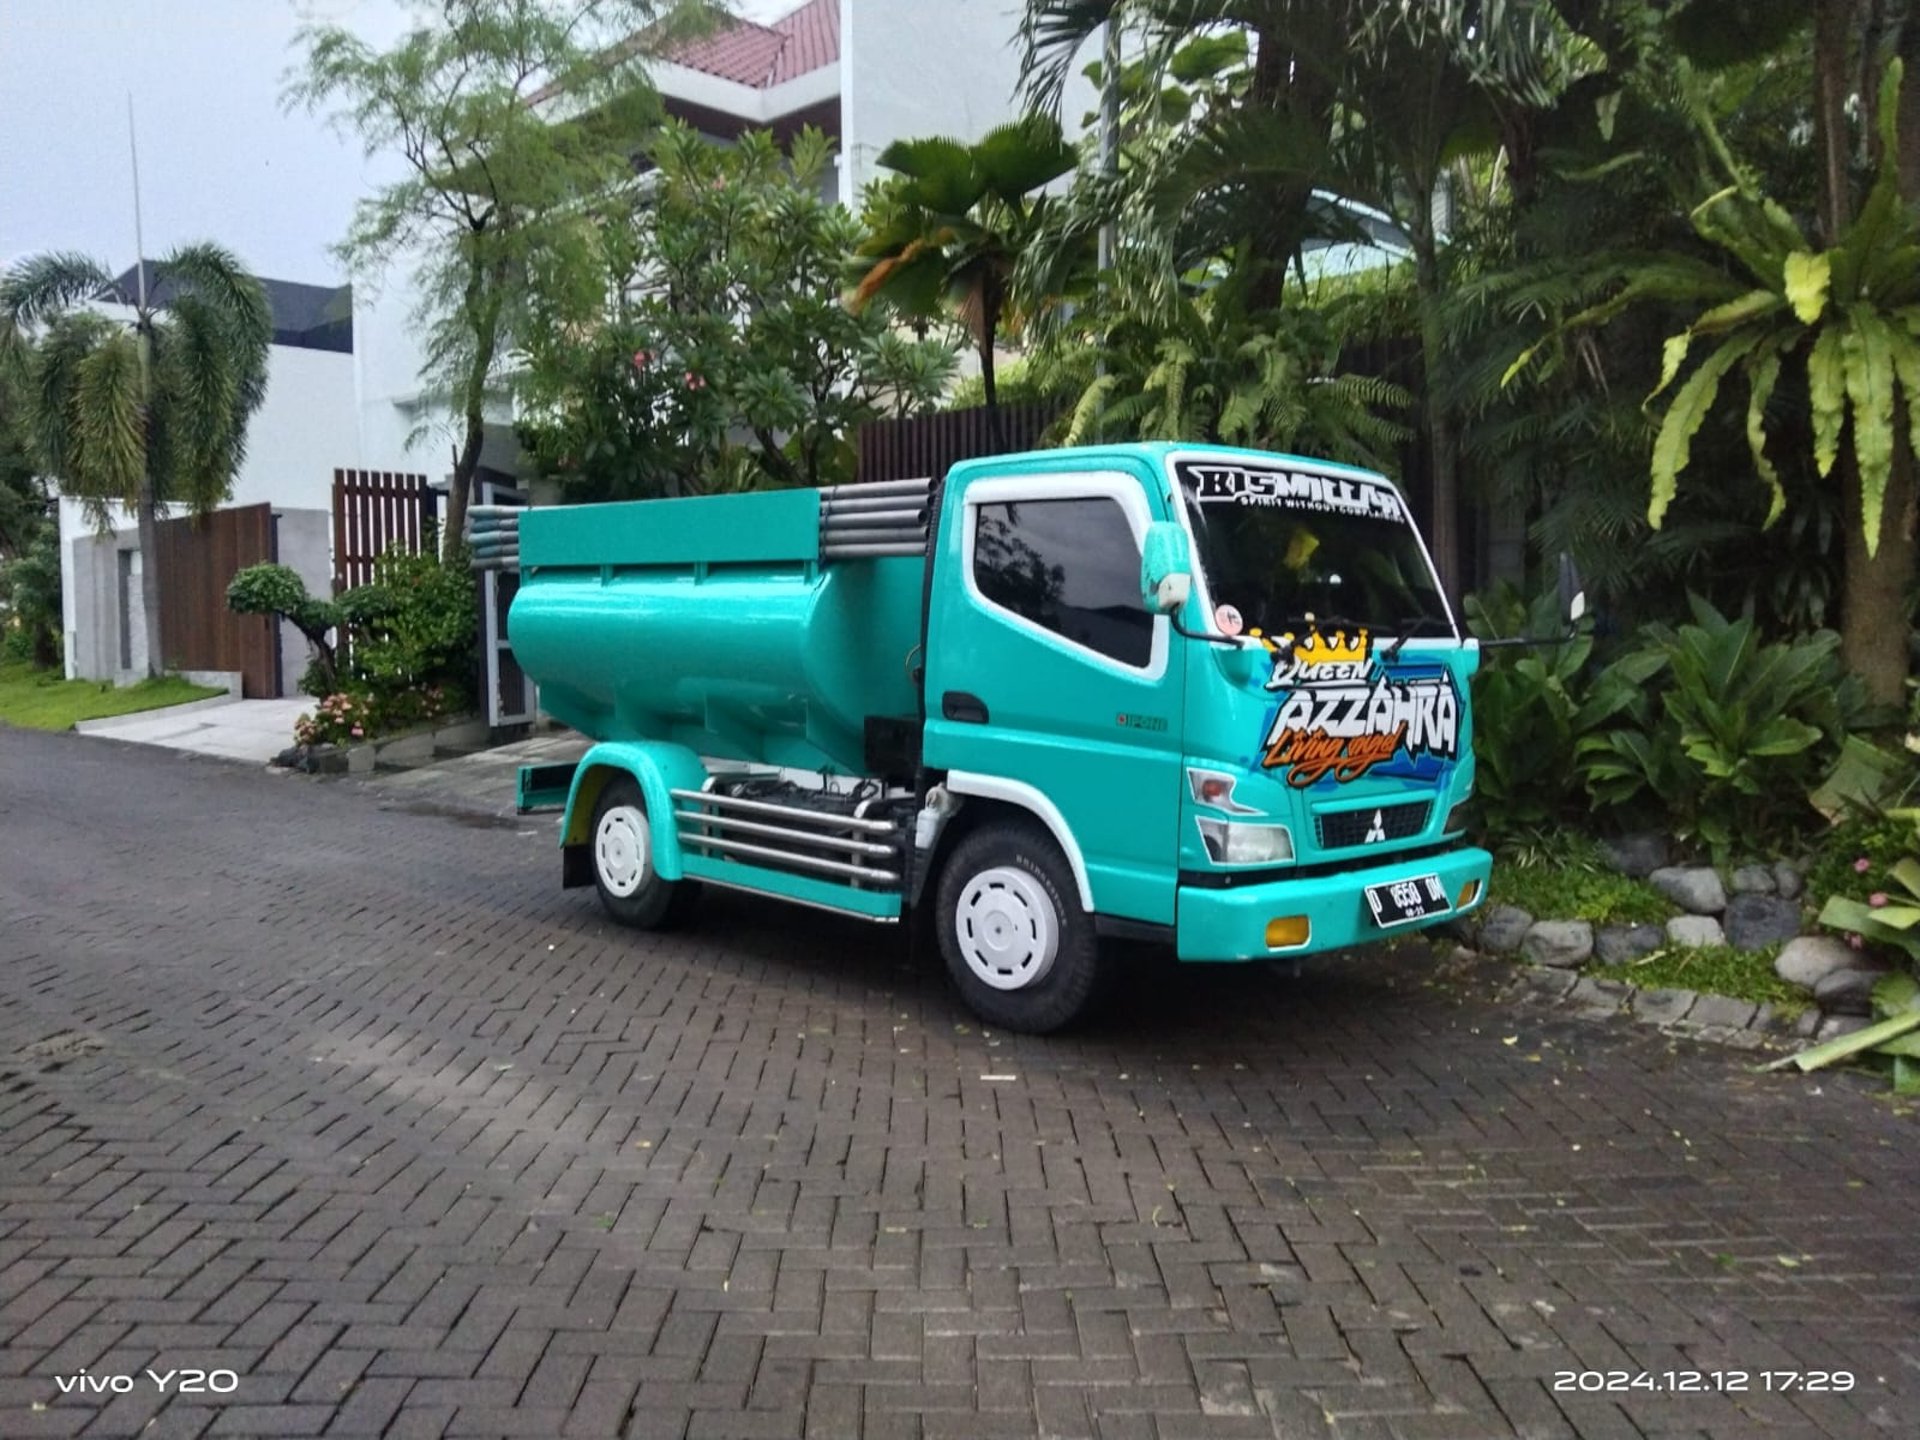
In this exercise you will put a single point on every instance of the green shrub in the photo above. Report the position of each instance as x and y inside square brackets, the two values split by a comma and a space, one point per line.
[1882, 841]
[415, 626]
[1574, 889]
[279, 590]
[1733, 737]
[30, 600]
[396, 652]
[1532, 710]
[1888, 917]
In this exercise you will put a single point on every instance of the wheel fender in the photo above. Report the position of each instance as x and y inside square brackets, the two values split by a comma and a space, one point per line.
[659, 769]
[1034, 801]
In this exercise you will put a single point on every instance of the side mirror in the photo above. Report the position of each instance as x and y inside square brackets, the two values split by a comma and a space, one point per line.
[1166, 568]
[1573, 595]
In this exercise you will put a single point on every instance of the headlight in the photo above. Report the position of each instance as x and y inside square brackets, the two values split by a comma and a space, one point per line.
[1229, 843]
[1458, 816]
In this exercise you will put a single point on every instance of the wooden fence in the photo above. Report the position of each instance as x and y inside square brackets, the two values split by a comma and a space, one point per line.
[197, 559]
[373, 511]
[930, 445]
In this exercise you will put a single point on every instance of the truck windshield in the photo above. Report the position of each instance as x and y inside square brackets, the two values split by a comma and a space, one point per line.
[1278, 545]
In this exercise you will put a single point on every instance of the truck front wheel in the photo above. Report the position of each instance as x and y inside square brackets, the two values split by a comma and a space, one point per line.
[630, 886]
[1019, 947]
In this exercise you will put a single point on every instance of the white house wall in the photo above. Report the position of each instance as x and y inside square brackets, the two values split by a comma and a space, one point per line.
[304, 429]
[911, 68]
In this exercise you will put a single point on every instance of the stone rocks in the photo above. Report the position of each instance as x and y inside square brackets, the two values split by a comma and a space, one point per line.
[1723, 1011]
[1753, 921]
[1787, 880]
[1808, 960]
[1663, 1007]
[1696, 888]
[1598, 997]
[1637, 855]
[1834, 1026]
[1563, 944]
[1503, 929]
[1619, 944]
[1753, 880]
[1847, 992]
[1690, 932]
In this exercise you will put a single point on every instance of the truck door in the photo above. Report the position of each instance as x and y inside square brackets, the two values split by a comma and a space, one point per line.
[1049, 684]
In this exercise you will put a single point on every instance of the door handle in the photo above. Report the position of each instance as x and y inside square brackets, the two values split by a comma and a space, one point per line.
[968, 709]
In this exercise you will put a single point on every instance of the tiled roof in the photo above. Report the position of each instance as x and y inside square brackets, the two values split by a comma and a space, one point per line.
[763, 56]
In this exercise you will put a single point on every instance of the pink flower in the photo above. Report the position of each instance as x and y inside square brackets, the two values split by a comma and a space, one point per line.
[1862, 865]
[642, 359]
[695, 382]
[358, 732]
[1877, 899]
[1856, 942]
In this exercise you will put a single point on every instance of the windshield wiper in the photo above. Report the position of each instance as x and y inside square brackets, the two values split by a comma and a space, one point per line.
[1410, 628]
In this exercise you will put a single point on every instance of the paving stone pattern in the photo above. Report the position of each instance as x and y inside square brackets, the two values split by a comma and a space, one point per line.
[356, 1103]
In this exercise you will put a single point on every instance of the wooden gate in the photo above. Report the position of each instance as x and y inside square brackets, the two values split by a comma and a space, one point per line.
[373, 511]
[929, 445]
[197, 559]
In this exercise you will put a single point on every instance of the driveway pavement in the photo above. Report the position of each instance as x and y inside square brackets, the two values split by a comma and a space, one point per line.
[351, 1108]
[255, 730]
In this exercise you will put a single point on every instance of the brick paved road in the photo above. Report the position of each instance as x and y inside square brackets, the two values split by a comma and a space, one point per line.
[356, 1104]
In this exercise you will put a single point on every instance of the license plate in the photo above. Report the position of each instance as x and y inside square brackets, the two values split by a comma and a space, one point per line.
[1401, 901]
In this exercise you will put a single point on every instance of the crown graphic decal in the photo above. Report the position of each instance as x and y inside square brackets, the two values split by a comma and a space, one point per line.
[1317, 649]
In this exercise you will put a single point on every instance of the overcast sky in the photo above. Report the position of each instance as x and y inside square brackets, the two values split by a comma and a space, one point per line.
[219, 159]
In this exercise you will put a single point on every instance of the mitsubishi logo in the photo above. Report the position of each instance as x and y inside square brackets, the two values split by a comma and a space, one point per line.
[1378, 832]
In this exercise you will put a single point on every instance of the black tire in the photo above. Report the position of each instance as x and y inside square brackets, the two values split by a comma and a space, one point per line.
[642, 901]
[1003, 891]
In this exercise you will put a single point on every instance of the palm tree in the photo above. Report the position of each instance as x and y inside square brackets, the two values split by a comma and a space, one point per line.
[149, 412]
[952, 224]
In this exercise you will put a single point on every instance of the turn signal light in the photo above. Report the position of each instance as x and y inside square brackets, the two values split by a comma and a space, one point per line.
[1287, 932]
[1469, 893]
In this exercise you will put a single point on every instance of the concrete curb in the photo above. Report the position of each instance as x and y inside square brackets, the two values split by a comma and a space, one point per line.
[186, 707]
[1717, 1019]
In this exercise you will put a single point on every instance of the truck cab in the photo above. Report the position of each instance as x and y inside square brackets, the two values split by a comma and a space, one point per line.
[1204, 696]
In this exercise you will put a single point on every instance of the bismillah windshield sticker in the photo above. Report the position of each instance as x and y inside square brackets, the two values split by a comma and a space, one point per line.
[1338, 717]
[1218, 483]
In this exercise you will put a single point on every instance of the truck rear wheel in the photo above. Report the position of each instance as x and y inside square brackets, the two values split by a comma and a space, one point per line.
[1018, 946]
[621, 844]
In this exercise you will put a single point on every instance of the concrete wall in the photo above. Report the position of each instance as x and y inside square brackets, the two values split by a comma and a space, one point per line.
[305, 428]
[305, 541]
[91, 602]
[910, 69]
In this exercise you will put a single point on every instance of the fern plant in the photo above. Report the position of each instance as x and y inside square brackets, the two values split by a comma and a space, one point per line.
[1847, 314]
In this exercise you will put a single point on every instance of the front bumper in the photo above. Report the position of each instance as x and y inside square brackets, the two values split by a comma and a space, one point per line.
[1232, 924]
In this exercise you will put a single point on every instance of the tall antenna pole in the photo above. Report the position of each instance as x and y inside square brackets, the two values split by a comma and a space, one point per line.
[139, 240]
[1110, 128]
[1109, 157]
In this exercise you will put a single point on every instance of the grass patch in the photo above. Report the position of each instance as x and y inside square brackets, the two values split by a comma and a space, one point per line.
[1712, 970]
[1570, 891]
[40, 700]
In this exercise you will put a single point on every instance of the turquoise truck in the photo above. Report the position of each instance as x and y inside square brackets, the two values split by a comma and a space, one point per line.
[1208, 697]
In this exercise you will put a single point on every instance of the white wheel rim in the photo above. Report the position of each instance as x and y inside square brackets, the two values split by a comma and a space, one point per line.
[622, 850]
[1008, 932]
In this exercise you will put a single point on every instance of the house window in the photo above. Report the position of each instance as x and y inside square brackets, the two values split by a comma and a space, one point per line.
[1070, 566]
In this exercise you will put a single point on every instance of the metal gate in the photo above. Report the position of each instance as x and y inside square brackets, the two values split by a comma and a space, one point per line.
[511, 698]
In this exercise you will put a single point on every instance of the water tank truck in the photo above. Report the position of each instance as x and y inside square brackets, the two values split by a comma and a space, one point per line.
[1210, 697]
